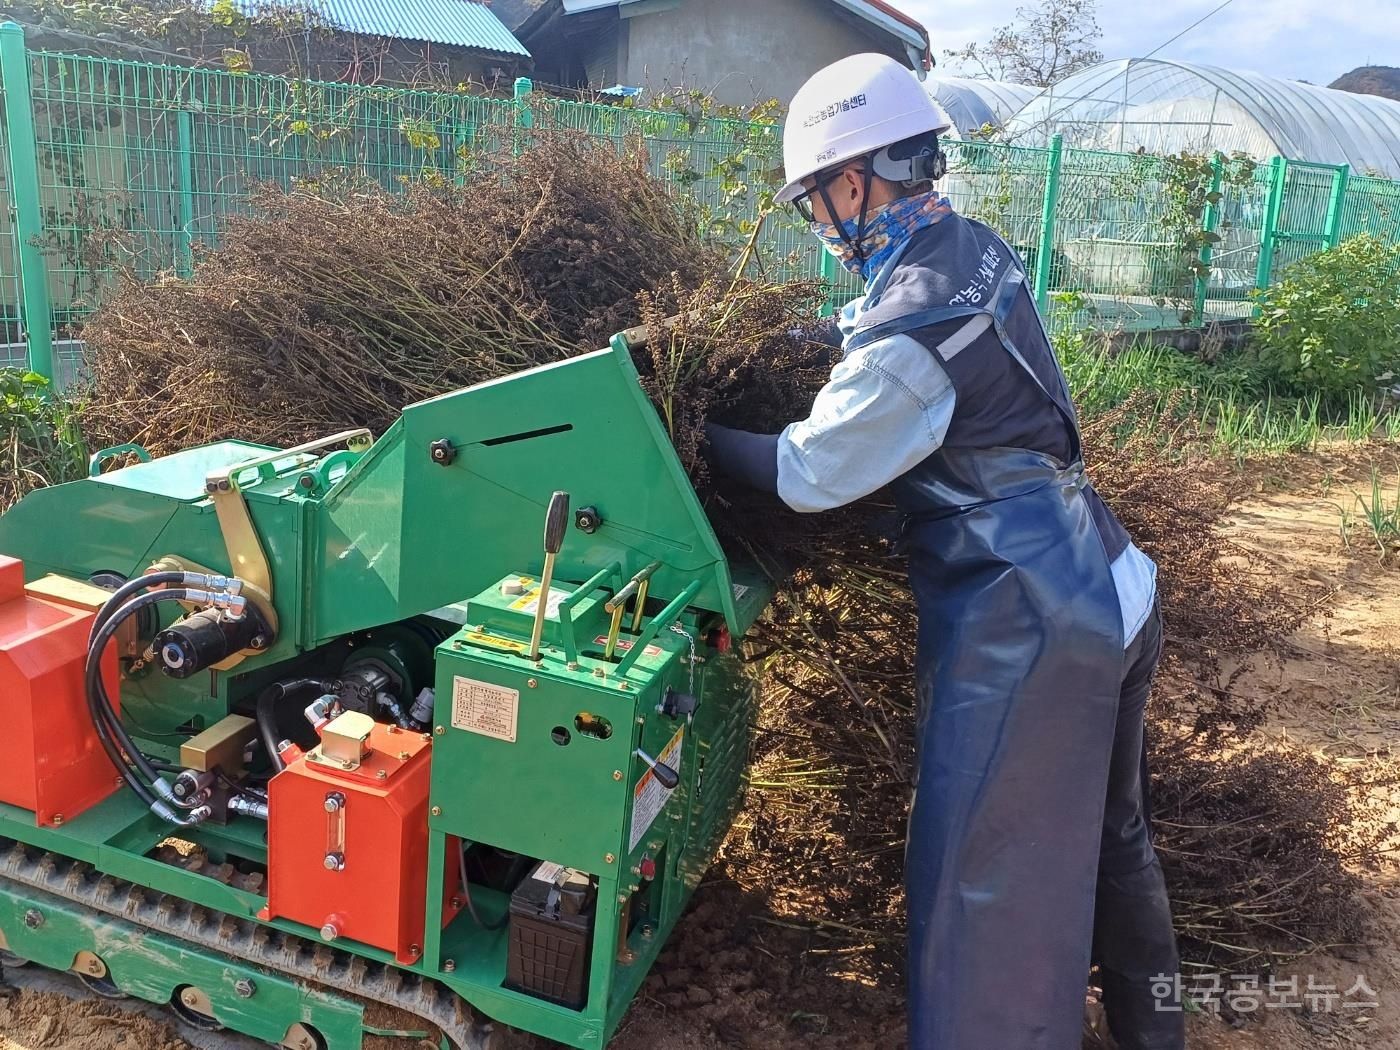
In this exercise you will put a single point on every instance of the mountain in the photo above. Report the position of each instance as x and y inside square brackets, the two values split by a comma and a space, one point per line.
[1371, 80]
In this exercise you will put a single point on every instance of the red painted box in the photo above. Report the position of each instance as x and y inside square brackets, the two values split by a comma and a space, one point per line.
[348, 850]
[52, 761]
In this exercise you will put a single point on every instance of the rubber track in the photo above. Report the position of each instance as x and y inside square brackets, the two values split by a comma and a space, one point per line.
[250, 941]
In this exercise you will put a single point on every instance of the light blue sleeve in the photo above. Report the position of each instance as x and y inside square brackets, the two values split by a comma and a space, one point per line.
[885, 409]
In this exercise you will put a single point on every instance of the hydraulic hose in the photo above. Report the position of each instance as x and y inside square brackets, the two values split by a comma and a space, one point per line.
[136, 769]
[266, 713]
[125, 591]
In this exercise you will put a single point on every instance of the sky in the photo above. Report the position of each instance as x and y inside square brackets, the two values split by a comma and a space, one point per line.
[1295, 39]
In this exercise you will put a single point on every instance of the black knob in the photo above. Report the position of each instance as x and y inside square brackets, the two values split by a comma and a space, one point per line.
[669, 777]
[587, 520]
[556, 520]
[443, 452]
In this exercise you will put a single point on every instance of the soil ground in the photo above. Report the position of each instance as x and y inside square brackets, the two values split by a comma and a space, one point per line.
[736, 975]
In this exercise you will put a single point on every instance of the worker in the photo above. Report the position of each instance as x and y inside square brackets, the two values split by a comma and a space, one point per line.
[1029, 856]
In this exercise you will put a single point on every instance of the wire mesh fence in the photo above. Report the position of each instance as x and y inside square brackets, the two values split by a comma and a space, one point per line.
[114, 167]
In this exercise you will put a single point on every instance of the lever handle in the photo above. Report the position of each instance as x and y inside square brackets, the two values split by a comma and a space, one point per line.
[556, 520]
[669, 777]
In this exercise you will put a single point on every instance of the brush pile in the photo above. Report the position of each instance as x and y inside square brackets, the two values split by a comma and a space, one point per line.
[334, 305]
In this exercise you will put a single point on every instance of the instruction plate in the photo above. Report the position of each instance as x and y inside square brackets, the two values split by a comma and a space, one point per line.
[485, 708]
[650, 798]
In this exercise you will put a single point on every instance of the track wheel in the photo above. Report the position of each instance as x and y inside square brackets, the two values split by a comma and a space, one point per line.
[193, 1007]
[302, 1037]
[103, 986]
[92, 971]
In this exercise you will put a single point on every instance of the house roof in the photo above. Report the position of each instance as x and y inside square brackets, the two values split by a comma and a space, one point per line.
[514, 12]
[458, 23]
[908, 30]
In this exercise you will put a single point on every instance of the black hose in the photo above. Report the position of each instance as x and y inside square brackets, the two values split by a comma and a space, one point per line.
[467, 894]
[266, 713]
[111, 733]
[125, 591]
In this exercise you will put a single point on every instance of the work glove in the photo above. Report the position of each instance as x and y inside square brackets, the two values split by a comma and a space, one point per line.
[826, 331]
[750, 459]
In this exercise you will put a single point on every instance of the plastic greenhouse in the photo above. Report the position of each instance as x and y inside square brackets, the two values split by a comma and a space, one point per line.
[1161, 106]
[974, 104]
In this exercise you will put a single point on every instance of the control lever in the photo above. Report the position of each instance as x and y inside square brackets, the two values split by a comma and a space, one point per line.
[555, 522]
[669, 777]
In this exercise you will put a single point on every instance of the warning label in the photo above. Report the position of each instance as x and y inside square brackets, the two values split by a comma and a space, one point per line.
[625, 646]
[529, 602]
[649, 797]
[485, 708]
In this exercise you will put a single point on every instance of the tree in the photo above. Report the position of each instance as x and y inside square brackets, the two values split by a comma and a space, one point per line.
[1045, 44]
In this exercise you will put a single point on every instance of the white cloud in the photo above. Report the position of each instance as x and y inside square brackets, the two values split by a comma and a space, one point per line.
[1296, 39]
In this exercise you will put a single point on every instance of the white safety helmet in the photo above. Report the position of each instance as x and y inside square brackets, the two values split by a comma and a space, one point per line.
[856, 107]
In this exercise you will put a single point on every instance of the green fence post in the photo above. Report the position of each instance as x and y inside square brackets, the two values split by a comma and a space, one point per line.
[1209, 221]
[827, 268]
[1046, 248]
[524, 116]
[1334, 205]
[184, 121]
[23, 148]
[1278, 178]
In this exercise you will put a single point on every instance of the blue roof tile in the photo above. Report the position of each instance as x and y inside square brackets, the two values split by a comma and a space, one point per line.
[460, 23]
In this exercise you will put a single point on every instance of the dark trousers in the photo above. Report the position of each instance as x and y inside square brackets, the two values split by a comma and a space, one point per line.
[1133, 938]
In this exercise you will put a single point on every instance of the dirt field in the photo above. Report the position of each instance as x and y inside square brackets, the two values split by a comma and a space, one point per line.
[736, 976]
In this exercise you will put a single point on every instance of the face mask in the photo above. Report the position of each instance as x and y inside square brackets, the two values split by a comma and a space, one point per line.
[886, 230]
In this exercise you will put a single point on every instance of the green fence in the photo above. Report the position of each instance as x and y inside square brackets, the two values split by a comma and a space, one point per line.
[114, 167]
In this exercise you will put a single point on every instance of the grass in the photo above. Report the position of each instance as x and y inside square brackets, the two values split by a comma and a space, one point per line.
[39, 440]
[1378, 515]
[1236, 413]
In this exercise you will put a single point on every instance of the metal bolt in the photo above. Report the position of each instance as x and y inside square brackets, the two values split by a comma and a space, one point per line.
[34, 918]
[448, 965]
[330, 931]
[391, 728]
[598, 672]
[259, 641]
[437, 811]
[572, 665]
[608, 858]
[413, 949]
[245, 988]
[648, 932]
[532, 683]
[335, 802]
[439, 730]
[425, 737]
[636, 869]
[617, 774]
[455, 902]
[403, 756]
[57, 820]
[381, 774]
[334, 862]
[641, 720]
[623, 686]
[622, 898]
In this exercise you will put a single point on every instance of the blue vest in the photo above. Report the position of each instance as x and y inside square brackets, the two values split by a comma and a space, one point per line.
[953, 274]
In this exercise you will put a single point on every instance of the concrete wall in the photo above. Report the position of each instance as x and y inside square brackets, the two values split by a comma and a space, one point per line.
[742, 50]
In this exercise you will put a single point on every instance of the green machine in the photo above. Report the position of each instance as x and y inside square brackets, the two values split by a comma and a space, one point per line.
[448, 721]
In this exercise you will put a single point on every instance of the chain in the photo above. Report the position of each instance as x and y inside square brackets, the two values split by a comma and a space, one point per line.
[676, 628]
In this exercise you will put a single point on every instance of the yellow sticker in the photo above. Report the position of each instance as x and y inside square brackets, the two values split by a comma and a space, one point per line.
[494, 641]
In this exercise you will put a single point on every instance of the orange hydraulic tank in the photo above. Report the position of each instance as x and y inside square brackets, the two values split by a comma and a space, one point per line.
[52, 761]
[347, 851]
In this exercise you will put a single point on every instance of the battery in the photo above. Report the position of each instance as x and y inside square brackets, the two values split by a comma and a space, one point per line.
[551, 935]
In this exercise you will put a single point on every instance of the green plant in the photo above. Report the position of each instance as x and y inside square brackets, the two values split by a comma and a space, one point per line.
[1382, 516]
[1332, 323]
[39, 440]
